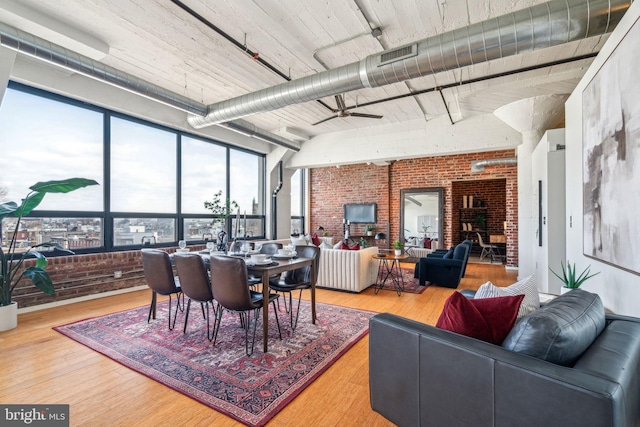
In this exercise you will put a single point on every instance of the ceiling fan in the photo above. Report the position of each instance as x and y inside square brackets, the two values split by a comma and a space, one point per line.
[342, 111]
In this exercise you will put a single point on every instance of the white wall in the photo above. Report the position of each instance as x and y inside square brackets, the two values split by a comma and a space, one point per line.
[548, 167]
[619, 290]
[412, 139]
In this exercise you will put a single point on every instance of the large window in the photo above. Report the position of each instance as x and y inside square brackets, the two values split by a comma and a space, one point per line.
[245, 176]
[157, 178]
[43, 140]
[204, 173]
[143, 168]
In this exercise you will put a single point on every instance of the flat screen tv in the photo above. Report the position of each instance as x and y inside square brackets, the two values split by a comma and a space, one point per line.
[363, 213]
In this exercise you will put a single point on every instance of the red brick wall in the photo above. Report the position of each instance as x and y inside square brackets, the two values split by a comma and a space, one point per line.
[332, 187]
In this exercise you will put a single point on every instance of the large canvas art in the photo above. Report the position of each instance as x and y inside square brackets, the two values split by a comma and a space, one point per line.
[611, 155]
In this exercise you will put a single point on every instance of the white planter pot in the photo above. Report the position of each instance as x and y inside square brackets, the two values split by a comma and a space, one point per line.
[564, 290]
[398, 252]
[8, 316]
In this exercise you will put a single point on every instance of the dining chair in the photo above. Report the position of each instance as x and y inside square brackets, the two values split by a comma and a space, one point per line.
[159, 276]
[228, 282]
[299, 279]
[196, 285]
[271, 248]
[487, 249]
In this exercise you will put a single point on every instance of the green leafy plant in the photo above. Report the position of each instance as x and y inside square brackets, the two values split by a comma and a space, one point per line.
[369, 228]
[480, 221]
[569, 275]
[221, 210]
[11, 270]
[398, 245]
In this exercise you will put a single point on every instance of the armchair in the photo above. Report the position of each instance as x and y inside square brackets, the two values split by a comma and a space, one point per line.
[443, 271]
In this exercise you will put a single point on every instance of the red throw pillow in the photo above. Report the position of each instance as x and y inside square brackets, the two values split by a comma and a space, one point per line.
[355, 247]
[486, 319]
[315, 239]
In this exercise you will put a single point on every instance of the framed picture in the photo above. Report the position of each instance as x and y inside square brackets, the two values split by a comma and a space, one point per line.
[611, 158]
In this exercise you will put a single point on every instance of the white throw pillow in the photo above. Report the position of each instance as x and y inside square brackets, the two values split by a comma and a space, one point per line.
[526, 287]
[298, 241]
[325, 245]
[338, 245]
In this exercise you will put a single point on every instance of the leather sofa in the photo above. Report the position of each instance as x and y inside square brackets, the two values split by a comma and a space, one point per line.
[420, 375]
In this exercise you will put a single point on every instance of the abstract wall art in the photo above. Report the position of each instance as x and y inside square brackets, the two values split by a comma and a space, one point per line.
[611, 158]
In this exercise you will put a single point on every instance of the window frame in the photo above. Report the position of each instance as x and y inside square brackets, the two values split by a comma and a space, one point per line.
[107, 216]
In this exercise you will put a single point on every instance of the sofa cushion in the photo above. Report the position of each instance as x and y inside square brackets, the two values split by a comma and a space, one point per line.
[448, 254]
[459, 252]
[526, 287]
[488, 319]
[560, 331]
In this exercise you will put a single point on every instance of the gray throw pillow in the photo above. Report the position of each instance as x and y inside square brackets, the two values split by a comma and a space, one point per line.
[560, 331]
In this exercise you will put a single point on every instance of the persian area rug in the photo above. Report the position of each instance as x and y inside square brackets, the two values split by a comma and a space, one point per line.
[411, 285]
[251, 389]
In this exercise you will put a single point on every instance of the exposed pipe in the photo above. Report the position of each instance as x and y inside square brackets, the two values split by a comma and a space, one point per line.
[541, 26]
[44, 50]
[249, 129]
[479, 165]
[274, 204]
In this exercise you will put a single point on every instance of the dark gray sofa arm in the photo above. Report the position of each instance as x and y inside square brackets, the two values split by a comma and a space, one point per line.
[424, 376]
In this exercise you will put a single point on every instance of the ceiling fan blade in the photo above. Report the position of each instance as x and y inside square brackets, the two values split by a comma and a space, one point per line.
[370, 116]
[324, 120]
[340, 102]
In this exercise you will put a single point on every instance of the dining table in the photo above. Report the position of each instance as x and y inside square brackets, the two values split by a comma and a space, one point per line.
[276, 266]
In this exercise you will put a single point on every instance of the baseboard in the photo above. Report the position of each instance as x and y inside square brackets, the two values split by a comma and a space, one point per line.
[80, 299]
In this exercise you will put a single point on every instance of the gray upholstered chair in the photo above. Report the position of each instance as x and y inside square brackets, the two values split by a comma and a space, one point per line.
[159, 276]
[229, 285]
[195, 283]
[299, 279]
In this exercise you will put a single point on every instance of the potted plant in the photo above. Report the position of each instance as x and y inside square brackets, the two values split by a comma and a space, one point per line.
[569, 278]
[369, 229]
[11, 261]
[221, 210]
[397, 247]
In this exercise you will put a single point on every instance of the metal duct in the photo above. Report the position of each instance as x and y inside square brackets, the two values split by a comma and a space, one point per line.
[479, 165]
[274, 203]
[44, 50]
[251, 130]
[537, 27]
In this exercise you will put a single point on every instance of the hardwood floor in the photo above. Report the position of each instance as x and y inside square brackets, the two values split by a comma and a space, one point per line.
[41, 366]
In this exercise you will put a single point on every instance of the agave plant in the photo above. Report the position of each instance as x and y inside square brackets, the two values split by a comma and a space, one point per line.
[569, 275]
[11, 262]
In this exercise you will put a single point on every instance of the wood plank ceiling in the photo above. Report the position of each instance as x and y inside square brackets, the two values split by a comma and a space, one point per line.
[160, 42]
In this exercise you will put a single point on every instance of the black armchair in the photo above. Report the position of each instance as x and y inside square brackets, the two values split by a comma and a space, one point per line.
[443, 271]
